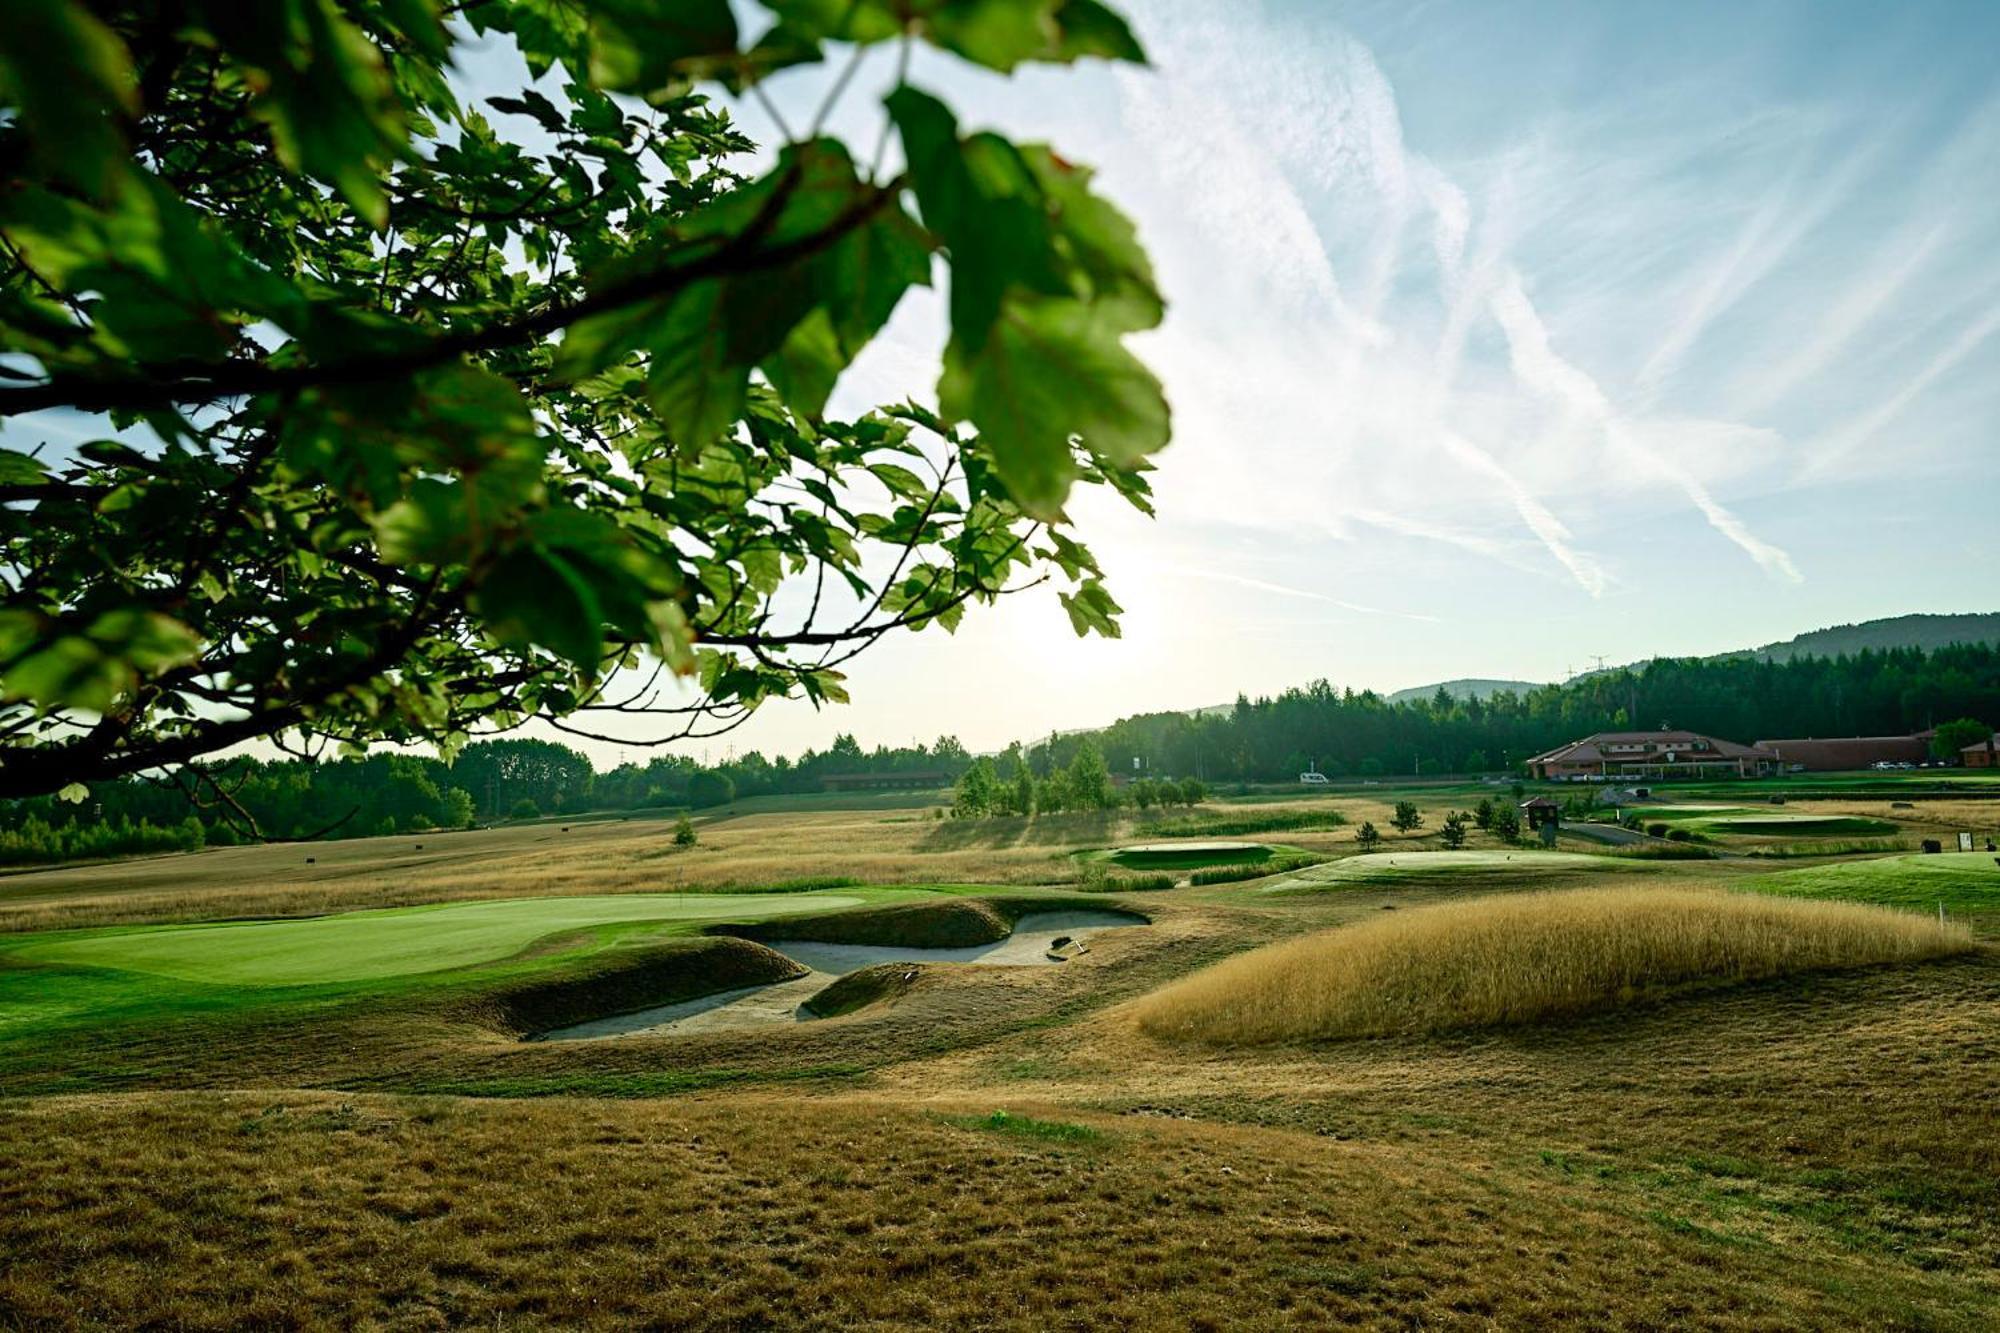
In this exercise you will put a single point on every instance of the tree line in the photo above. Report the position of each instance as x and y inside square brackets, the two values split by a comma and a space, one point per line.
[1266, 739]
[1361, 733]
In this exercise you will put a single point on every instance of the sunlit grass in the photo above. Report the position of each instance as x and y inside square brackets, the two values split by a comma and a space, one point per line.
[1519, 958]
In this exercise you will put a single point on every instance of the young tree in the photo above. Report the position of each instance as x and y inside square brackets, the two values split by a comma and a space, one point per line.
[1482, 814]
[684, 834]
[1407, 818]
[1367, 837]
[1507, 823]
[1089, 780]
[1052, 793]
[1144, 794]
[977, 792]
[525, 808]
[422, 415]
[1024, 791]
[1953, 737]
[1452, 831]
[1192, 791]
[709, 788]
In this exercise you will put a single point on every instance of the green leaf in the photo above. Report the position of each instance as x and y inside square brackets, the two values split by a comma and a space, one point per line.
[94, 667]
[981, 197]
[644, 46]
[532, 597]
[1091, 610]
[999, 34]
[75, 793]
[69, 79]
[1087, 28]
[1107, 265]
[18, 469]
[1052, 370]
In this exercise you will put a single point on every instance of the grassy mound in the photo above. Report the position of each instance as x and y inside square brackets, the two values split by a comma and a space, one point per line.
[623, 981]
[943, 923]
[1523, 957]
[883, 983]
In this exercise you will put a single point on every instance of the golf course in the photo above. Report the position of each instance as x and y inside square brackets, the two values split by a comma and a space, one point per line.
[1530, 1034]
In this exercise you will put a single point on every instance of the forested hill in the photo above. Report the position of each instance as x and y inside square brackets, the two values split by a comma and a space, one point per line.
[1463, 689]
[1741, 698]
[1928, 632]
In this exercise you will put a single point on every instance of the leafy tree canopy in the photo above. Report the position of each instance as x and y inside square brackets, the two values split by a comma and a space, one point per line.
[422, 414]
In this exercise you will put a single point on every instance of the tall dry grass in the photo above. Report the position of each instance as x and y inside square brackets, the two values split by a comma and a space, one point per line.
[1515, 958]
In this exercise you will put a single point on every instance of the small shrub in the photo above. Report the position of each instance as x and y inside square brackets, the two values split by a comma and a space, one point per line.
[1656, 830]
[1679, 835]
[684, 834]
[1049, 1131]
[525, 808]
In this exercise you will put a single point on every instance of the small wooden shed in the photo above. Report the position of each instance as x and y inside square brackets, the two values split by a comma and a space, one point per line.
[1541, 810]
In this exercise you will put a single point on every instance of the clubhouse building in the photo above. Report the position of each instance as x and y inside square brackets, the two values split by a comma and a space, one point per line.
[1652, 754]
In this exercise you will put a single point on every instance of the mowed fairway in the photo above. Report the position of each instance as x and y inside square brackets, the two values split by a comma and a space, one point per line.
[367, 946]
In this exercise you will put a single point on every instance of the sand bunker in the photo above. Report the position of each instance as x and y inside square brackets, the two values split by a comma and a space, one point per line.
[1039, 939]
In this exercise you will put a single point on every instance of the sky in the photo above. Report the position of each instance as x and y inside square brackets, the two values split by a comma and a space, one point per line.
[1501, 340]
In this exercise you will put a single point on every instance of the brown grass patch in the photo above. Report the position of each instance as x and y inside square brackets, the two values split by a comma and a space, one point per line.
[1522, 957]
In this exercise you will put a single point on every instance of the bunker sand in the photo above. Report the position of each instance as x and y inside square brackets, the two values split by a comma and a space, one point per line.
[1033, 943]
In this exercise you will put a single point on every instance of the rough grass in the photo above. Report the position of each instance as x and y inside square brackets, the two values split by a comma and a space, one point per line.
[883, 983]
[1231, 874]
[1526, 957]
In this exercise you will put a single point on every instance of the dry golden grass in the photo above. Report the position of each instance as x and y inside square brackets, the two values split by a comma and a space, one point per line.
[297, 1211]
[1520, 957]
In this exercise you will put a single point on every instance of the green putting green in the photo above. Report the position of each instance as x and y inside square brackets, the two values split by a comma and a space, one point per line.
[1186, 855]
[1395, 867]
[372, 945]
[1726, 819]
[1962, 881]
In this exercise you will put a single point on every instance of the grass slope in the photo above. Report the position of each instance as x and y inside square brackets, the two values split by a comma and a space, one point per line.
[368, 946]
[1965, 882]
[1525, 957]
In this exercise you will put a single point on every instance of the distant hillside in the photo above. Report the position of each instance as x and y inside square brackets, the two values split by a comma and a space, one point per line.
[1927, 632]
[1464, 688]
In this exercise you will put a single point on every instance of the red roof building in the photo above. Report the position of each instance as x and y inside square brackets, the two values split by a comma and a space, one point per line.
[1653, 754]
